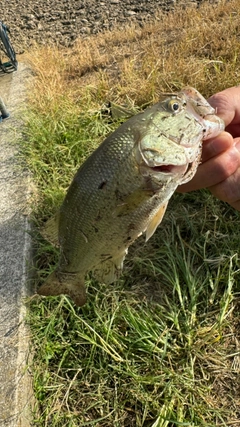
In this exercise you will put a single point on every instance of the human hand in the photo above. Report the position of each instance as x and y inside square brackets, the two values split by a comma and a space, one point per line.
[220, 167]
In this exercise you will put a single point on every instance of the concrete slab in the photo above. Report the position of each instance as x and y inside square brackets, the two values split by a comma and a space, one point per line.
[15, 257]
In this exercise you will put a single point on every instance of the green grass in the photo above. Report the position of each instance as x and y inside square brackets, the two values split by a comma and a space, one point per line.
[155, 348]
[160, 348]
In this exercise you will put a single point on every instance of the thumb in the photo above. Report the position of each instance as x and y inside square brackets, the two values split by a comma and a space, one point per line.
[227, 105]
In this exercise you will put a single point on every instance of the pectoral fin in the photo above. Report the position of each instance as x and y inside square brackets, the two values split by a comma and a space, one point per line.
[65, 283]
[155, 221]
[130, 203]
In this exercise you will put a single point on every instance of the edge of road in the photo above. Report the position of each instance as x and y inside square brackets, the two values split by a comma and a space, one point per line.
[16, 392]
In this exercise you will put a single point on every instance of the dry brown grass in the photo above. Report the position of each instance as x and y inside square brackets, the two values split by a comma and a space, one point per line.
[199, 47]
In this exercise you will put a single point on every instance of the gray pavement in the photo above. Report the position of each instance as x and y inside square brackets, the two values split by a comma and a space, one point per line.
[15, 260]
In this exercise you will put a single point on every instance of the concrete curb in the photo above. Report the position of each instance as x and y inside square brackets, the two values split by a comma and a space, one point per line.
[15, 256]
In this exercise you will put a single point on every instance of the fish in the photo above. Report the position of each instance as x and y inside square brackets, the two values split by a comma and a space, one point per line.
[122, 190]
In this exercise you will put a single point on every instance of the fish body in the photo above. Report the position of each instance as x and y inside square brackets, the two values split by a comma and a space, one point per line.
[122, 189]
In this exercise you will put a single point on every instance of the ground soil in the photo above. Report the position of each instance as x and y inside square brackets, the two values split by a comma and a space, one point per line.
[62, 21]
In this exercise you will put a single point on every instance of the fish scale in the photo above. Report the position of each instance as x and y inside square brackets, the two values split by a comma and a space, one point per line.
[123, 188]
[104, 201]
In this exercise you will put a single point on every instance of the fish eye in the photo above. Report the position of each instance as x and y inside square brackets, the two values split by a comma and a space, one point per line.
[173, 105]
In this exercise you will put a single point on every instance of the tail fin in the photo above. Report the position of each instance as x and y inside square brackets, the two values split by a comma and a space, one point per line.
[65, 283]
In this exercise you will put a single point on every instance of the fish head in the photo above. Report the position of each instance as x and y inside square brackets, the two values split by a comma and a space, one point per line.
[171, 134]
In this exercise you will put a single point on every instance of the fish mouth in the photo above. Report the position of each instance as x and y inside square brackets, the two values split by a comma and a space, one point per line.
[169, 169]
[163, 168]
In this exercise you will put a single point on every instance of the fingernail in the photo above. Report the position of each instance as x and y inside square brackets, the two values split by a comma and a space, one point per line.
[237, 144]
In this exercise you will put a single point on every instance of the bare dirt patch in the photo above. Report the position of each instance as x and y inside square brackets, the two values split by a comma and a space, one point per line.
[63, 21]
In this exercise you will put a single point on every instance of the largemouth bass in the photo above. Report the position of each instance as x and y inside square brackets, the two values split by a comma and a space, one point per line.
[123, 188]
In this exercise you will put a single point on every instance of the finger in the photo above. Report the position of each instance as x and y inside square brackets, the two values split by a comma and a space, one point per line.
[234, 129]
[227, 104]
[229, 190]
[214, 147]
[236, 205]
[214, 171]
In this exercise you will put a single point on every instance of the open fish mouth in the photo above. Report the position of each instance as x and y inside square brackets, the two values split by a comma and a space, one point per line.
[169, 169]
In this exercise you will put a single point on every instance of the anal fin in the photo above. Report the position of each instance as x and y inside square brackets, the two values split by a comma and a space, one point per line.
[110, 270]
[155, 221]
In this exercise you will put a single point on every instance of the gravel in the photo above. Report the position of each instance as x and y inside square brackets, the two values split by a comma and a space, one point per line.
[62, 21]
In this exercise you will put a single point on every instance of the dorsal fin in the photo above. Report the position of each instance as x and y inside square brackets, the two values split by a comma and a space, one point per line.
[50, 230]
